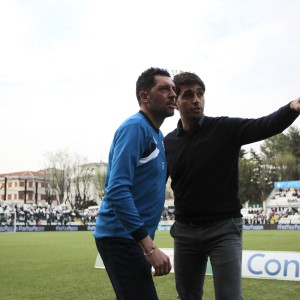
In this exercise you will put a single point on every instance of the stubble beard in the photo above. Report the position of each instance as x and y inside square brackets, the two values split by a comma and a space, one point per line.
[160, 110]
[190, 119]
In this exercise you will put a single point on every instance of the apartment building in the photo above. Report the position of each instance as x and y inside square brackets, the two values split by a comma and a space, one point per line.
[24, 187]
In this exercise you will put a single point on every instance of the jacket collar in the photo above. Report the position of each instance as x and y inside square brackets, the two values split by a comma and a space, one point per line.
[181, 131]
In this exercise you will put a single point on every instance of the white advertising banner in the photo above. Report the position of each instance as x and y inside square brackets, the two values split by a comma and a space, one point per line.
[166, 222]
[271, 265]
[256, 264]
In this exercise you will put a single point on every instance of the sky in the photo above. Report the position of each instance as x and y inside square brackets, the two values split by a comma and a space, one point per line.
[68, 68]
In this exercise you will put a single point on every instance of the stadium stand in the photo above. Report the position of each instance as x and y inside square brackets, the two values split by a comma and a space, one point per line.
[284, 198]
[271, 216]
[28, 214]
[37, 215]
[281, 207]
[256, 216]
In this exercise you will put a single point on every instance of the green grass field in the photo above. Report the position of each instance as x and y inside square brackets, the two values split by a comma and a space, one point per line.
[60, 265]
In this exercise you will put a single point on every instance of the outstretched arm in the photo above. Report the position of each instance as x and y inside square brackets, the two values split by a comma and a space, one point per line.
[295, 105]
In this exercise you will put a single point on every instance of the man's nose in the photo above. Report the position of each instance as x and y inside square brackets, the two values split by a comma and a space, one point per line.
[196, 98]
[173, 94]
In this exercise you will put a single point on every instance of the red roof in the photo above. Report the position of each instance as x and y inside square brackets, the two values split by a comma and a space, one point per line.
[24, 173]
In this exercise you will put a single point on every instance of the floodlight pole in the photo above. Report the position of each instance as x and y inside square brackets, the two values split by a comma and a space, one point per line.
[25, 191]
[5, 187]
[15, 221]
[36, 193]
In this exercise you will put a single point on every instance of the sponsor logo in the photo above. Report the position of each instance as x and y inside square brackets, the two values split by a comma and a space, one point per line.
[6, 228]
[288, 227]
[30, 228]
[287, 184]
[253, 227]
[272, 265]
[91, 228]
[66, 228]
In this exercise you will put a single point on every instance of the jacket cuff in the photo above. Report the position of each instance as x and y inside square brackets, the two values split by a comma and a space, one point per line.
[139, 234]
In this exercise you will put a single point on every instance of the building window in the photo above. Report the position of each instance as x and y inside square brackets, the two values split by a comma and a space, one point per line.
[10, 184]
[8, 197]
[15, 196]
[21, 196]
[30, 183]
[42, 184]
[22, 183]
[3, 185]
[16, 184]
[30, 196]
[43, 197]
[2, 197]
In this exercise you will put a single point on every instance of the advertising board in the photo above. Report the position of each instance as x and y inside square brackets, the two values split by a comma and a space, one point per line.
[255, 264]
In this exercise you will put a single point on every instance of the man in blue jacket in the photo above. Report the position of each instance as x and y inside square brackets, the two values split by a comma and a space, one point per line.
[202, 157]
[135, 192]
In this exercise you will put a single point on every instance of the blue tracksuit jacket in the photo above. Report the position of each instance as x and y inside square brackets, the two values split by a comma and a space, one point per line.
[135, 181]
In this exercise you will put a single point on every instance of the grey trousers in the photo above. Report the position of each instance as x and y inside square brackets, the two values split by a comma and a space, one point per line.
[222, 242]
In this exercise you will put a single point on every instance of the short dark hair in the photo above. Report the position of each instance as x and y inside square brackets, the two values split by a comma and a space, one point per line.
[187, 78]
[146, 80]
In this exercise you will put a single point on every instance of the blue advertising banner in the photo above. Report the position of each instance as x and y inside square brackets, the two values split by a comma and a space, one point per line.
[47, 228]
[23, 228]
[287, 184]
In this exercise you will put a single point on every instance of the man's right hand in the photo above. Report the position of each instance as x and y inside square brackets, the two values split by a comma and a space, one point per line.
[160, 262]
[158, 259]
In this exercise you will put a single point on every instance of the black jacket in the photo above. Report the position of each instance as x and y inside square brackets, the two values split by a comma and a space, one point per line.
[203, 163]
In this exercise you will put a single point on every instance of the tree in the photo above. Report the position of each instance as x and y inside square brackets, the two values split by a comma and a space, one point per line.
[294, 148]
[294, 141]
[279, 159]
[57, 168]
[249, 177]
[283, 154]
[67, 175]
[49, 192]
[273, 146]
[268, 176]
[286, 166]
[86, 178]
[99, 182]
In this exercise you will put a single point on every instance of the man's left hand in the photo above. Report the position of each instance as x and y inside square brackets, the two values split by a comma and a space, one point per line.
[295, 105]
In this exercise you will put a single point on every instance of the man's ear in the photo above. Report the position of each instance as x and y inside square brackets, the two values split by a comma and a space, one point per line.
[176, 104]
[144, 96]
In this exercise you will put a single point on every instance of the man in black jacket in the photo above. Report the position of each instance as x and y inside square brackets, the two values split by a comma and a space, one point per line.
[202, 158]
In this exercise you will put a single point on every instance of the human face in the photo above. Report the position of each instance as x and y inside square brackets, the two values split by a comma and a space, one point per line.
[161, 101]
[190, 104]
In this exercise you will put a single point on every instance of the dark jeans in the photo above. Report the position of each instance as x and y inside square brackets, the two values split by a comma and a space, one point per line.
[127, 268]
[222, 242]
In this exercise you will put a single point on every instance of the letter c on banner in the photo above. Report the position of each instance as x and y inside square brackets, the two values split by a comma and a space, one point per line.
[278, 269]
[250, 261]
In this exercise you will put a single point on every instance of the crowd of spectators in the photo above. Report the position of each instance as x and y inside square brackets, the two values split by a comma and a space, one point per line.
[286, 193]
[256, 216]
[264, 216]
[167, 214]
[27, 214]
